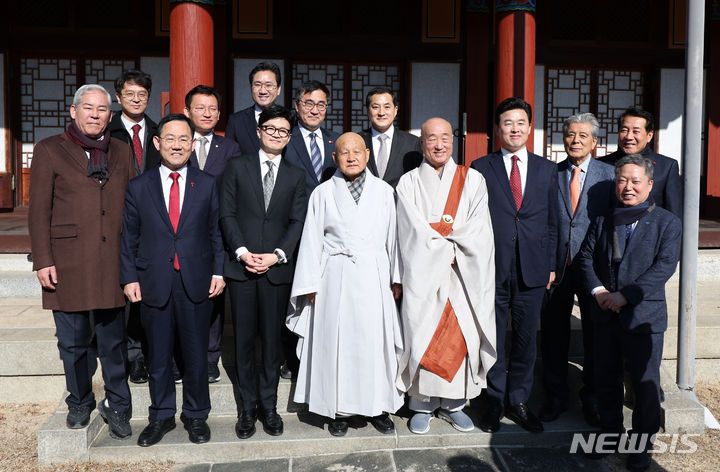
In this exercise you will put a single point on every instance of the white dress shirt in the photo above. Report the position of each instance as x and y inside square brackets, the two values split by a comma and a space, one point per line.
[376, 141]
[522, 164]
[167, 182]
[318, 139]
[209, 138]
[257, 110]
[129, 125]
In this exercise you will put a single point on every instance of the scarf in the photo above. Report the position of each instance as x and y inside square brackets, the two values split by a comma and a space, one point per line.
[623, 216]
[98, 148]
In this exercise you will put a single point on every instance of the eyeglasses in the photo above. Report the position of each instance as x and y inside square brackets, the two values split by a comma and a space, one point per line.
[129, 94]
[171, 140]
[201, 109]
[271, 130]
[308, 105]
[269, 86]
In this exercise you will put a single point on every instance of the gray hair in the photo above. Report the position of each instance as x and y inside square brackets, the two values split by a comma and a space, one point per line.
[90, 88]
[582, 118]
[638, 160]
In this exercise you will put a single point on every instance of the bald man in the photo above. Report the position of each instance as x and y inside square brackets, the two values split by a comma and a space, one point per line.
[343, 307]
[445, 242]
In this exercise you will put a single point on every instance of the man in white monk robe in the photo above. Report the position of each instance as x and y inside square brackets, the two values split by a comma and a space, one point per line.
[446, 249]
[342, 304]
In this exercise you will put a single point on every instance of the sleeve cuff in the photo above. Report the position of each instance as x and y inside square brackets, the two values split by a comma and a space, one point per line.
[239, 252]
[596, 290]
[217, 277]
[280, 255]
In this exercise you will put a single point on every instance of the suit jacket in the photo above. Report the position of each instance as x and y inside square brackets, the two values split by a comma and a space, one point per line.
[648, 261]
[149, 243]
[242, 128]
[533, 228]
[597, 197]
[221, 149]
[297, 154]
[667, 188]
[245, 222]
[151, 156]
[405, 155]
[75, 223]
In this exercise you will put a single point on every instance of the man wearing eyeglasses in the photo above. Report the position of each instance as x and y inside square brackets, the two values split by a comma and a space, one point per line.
[265, 86]
[311, 146]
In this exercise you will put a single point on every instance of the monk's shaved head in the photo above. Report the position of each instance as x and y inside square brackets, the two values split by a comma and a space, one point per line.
[435, 123]
[348, 138]
[351, 155]
[436, 140]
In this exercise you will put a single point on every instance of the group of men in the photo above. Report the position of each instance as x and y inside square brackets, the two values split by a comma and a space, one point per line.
[371, 263]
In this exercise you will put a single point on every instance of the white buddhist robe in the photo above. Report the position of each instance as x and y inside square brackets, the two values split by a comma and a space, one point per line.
[429, 278]
[350, 338]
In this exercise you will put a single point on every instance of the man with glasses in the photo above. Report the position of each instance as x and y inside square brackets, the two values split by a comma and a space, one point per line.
[211, 154]
[262, 210]
[265, 88]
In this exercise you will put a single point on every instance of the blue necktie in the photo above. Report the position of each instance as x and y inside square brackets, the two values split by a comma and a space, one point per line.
[315, 156]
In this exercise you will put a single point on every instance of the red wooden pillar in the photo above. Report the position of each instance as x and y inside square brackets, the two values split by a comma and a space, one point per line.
[191, 50]
[477, 79]
[712, 197]
[515, 53]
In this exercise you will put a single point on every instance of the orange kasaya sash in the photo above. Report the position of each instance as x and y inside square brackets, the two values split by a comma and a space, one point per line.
[447, 348]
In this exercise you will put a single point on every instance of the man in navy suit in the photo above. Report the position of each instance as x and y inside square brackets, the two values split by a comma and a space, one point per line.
[265, 87]
[262, 210]
[171, 261]
[636, 128]
[626, 260]
[211, 154]
[523, 206]
[311, 146]
[586, 190]
[392, 151]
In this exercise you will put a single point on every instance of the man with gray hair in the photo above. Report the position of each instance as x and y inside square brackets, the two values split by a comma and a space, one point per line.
[585, 191]
[77, 197]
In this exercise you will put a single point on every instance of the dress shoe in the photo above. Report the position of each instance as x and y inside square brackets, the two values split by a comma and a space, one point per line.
[197, 428]
[338, 427]
[154, 432]
[213, 372]
[458, 419]
[138, 371]
[638, 461]
[490, 418]
[285, 371]
[118, 422]
[420, 423]
[524, 418]
[272, 422]
[552, 409]
[79, 416]
[177, 375]
[591, 414]
[245, 426]
[383, 423]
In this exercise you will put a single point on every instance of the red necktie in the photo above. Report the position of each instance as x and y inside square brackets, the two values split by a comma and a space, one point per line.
[575, 189]
[137, 145]
[174, 209]
[515, 184]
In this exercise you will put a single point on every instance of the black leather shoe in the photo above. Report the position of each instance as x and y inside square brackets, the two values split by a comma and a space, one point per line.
[213, 372]
[79, 416]
[638, 461]
[197, 428]
[338, 427]
[591, 415]
[285, 371]
[138, 371]
[383, 423]
[177, 375]
[272, 422]
[552, 409]
[523, 417]
[118, 422]
[154, 432]
[489, 420]
[245, 426]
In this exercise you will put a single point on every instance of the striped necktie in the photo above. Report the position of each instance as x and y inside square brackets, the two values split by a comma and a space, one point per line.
[315, 156]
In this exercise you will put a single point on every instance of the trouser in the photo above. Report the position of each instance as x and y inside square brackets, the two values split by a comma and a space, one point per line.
[217, 320]
[450, 404]
[134, 332]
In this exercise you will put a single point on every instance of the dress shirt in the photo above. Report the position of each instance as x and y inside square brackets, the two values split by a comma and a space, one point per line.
[209, 138]
[318, 139]
[128, 127]
[376, 141]
[522, 164]
[602, 287]
[257, 110]
[583, 171]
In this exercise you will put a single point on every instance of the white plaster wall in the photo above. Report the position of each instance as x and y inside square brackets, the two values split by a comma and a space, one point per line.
[159, 70]
[539, 111]
[3, 150]
[669, 127]
[241, 86]
[435, 93]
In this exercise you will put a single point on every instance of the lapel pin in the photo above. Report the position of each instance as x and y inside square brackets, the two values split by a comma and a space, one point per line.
[192, 184]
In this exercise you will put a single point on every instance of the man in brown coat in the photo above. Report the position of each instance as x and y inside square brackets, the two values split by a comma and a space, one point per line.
[77, 196]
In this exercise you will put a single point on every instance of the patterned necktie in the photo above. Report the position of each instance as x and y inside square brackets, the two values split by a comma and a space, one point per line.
[174, 209]
[268, 183]
[382, 157]
[315, 156]
[202, 152]
[137, 145]
[515, 184]
[575, 189]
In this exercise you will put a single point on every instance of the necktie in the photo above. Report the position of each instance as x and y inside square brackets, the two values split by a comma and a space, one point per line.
[268, 183]
[382, 157]
[575, 188]
[137, 145]
[202, 152]
[174, 209]
[315, 156]
[515, 184]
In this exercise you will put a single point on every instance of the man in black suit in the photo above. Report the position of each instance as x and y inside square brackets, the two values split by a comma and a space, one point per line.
[211, 154]
[392, 151]
[262, 211]
[132, 125]
[265, 87]
[311, 146]
[636, 128]
[523, 189]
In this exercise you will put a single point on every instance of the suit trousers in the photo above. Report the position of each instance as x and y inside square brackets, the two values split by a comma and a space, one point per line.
[258, 307]
[217, 320]
[513, 296]
[555, 338]
[187, 322]
[74, 333]
[134, 332]
[641, 354]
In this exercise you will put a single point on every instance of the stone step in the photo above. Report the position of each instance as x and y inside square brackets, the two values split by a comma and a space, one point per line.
[17, 278]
